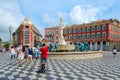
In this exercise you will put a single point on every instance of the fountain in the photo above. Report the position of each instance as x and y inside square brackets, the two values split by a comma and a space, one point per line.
[70, 51]
[62, 45]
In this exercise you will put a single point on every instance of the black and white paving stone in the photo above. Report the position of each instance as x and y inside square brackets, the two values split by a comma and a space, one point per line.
[104, 68]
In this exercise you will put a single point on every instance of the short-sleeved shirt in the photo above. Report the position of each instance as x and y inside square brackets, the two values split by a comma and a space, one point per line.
[44, 52]
[13, 51]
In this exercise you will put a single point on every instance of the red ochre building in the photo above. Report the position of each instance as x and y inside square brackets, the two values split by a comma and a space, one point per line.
[101, 35]
[27, 34]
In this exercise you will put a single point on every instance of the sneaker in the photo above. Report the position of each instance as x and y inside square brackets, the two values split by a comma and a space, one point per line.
[39, 71]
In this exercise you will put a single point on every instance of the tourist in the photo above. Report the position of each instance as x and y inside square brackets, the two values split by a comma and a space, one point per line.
[44, 56]
[10, 49]
[13, 53]
[26, 52]
[37, 53]
[21, 54]
[114, 51]
[30, 53]
[3, 50]
[17, 50]
[0, 50]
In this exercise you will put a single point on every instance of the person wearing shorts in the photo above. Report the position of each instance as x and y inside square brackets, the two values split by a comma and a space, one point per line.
[21, 54]
[13, 53]
[30, 54]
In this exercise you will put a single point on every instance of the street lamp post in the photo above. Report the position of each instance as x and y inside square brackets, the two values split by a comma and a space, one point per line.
[10, 31]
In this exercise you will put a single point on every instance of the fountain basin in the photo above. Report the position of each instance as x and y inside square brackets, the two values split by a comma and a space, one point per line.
[75, 55]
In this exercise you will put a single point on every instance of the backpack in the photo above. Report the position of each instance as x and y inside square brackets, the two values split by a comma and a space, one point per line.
[42, 70]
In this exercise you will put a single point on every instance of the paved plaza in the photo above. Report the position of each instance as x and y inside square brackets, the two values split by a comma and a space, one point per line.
[104, 68]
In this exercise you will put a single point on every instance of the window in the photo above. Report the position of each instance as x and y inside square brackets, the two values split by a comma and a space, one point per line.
[83, 29]
[98, 35]
[103, 34]
[27, 37]
[88, 29]
[93, 28]
[93, 23]
[27, 26]
[74, 25]
[70, 37]
[93, 35]
[52, 37]
[74, 30]
[48, 33]
[83, 25]
[52, 32]
[70, 31]
[27, 32]
[65, 31]
[110, 34]
[79, 36]
[83, 36]
[74, 37]
[56, 32]
[88, 36]
[104, 27]
[49, 38]
[98, 28]
[79, 30]
[56, 37]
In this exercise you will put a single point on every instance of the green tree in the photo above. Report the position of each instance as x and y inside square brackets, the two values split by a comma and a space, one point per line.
[0, 42]
[6, 45]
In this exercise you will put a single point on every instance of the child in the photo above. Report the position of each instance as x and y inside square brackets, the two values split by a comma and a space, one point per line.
[114, 51]
[37, 54]
[13, 53]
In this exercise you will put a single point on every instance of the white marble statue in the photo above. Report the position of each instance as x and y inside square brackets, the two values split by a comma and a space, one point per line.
[60, 33]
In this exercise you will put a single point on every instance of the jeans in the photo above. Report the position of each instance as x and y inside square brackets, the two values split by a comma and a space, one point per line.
[12, 56]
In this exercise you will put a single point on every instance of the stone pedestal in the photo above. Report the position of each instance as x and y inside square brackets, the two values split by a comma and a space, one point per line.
[62, 42]
[66, 47]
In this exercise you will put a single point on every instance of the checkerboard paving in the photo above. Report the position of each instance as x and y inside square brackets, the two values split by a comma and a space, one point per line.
[105, 68]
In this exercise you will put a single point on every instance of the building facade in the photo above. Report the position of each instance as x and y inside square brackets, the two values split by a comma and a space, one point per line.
[27, 34]
[101, 35]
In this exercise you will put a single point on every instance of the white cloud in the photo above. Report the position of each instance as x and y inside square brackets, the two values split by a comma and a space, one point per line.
[83, 15]
[49, 20]
[10, 14]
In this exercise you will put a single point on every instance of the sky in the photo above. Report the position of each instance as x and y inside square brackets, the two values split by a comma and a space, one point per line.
[47, 13]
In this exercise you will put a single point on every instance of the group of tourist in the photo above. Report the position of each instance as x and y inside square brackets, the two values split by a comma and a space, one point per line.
[2, 50]
[29, 53]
